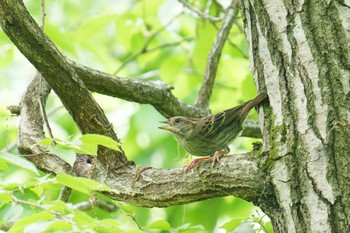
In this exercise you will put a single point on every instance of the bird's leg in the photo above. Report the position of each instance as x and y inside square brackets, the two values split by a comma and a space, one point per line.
[194, 162]
[214, 158]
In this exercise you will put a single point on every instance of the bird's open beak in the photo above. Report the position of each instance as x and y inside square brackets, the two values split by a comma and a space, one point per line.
[166, 127]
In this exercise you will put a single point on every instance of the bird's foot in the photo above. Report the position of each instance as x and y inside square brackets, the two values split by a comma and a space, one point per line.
[214, 158]
[194, 162]
[139, 170]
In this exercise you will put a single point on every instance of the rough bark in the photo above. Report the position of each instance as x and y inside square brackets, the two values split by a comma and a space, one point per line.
[300, 52]
[155, 93]
[31, 129]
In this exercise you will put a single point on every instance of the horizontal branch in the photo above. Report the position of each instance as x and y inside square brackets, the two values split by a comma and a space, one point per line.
[156, 93]
[236, 175]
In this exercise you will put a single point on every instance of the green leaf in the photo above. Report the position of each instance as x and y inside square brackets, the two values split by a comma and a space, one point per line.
[67, 155]
[96, 139]
[268, 227]
[38, 190]
[11, 213]
[82, 219]
[5, 197]
[80, 184]
[231, 225]
[3, 165]
[110, 222]
[127, 208]
[58, 206]
[45, 142]
[11, 186]
[160, 224]
[19, 226]
[245, 227]
[49, 141]
[86, 144]
[59, 225]
[187, 228]
[18, 161]
[108, 226]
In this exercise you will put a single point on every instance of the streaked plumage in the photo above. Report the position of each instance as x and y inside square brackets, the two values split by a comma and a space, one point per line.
[208, 135]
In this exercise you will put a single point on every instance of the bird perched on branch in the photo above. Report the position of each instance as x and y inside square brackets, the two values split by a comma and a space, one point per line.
[210, 136]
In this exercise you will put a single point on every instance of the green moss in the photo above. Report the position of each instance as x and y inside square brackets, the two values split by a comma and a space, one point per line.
[277, 134]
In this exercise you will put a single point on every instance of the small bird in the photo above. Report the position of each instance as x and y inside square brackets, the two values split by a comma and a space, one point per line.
[210, 136]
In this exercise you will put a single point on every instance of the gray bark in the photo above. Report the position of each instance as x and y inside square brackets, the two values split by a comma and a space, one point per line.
[300, 52]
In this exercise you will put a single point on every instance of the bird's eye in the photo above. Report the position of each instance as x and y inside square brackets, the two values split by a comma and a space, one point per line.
[177, 120]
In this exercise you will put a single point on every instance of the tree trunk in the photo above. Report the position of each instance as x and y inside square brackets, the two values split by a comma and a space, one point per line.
[300, 52]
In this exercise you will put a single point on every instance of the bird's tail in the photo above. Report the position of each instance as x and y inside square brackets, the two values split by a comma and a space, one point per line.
[252, 103]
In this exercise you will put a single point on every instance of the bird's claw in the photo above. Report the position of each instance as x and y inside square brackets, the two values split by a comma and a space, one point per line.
[214, 158]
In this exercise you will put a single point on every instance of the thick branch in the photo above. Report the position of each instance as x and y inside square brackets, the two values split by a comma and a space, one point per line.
[155, 93]
[236, 175]
[31, 129]
[24, 32]
[214, 56]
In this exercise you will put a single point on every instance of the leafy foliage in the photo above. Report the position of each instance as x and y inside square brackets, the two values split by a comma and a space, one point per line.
[148, 40]
[85, 144]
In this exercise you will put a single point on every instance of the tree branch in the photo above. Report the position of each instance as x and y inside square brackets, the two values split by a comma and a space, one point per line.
[199, 13]
[236, 175]
[31, 129]
[25, 33]
[90, 204]
[145, 48]
[156, 93]
[214, 56]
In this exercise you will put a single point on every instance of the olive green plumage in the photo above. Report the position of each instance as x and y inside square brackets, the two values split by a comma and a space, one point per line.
[207, 135]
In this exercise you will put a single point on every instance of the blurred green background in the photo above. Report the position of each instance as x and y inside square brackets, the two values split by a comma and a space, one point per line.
[109, 35]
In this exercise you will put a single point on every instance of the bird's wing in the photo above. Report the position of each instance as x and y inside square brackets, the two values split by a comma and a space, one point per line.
[231, 117]
[214, 124]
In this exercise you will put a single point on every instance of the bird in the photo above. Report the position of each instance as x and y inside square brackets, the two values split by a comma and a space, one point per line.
[210, 136]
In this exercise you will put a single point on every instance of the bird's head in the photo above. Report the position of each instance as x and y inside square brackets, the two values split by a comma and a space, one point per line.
[180, 126]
